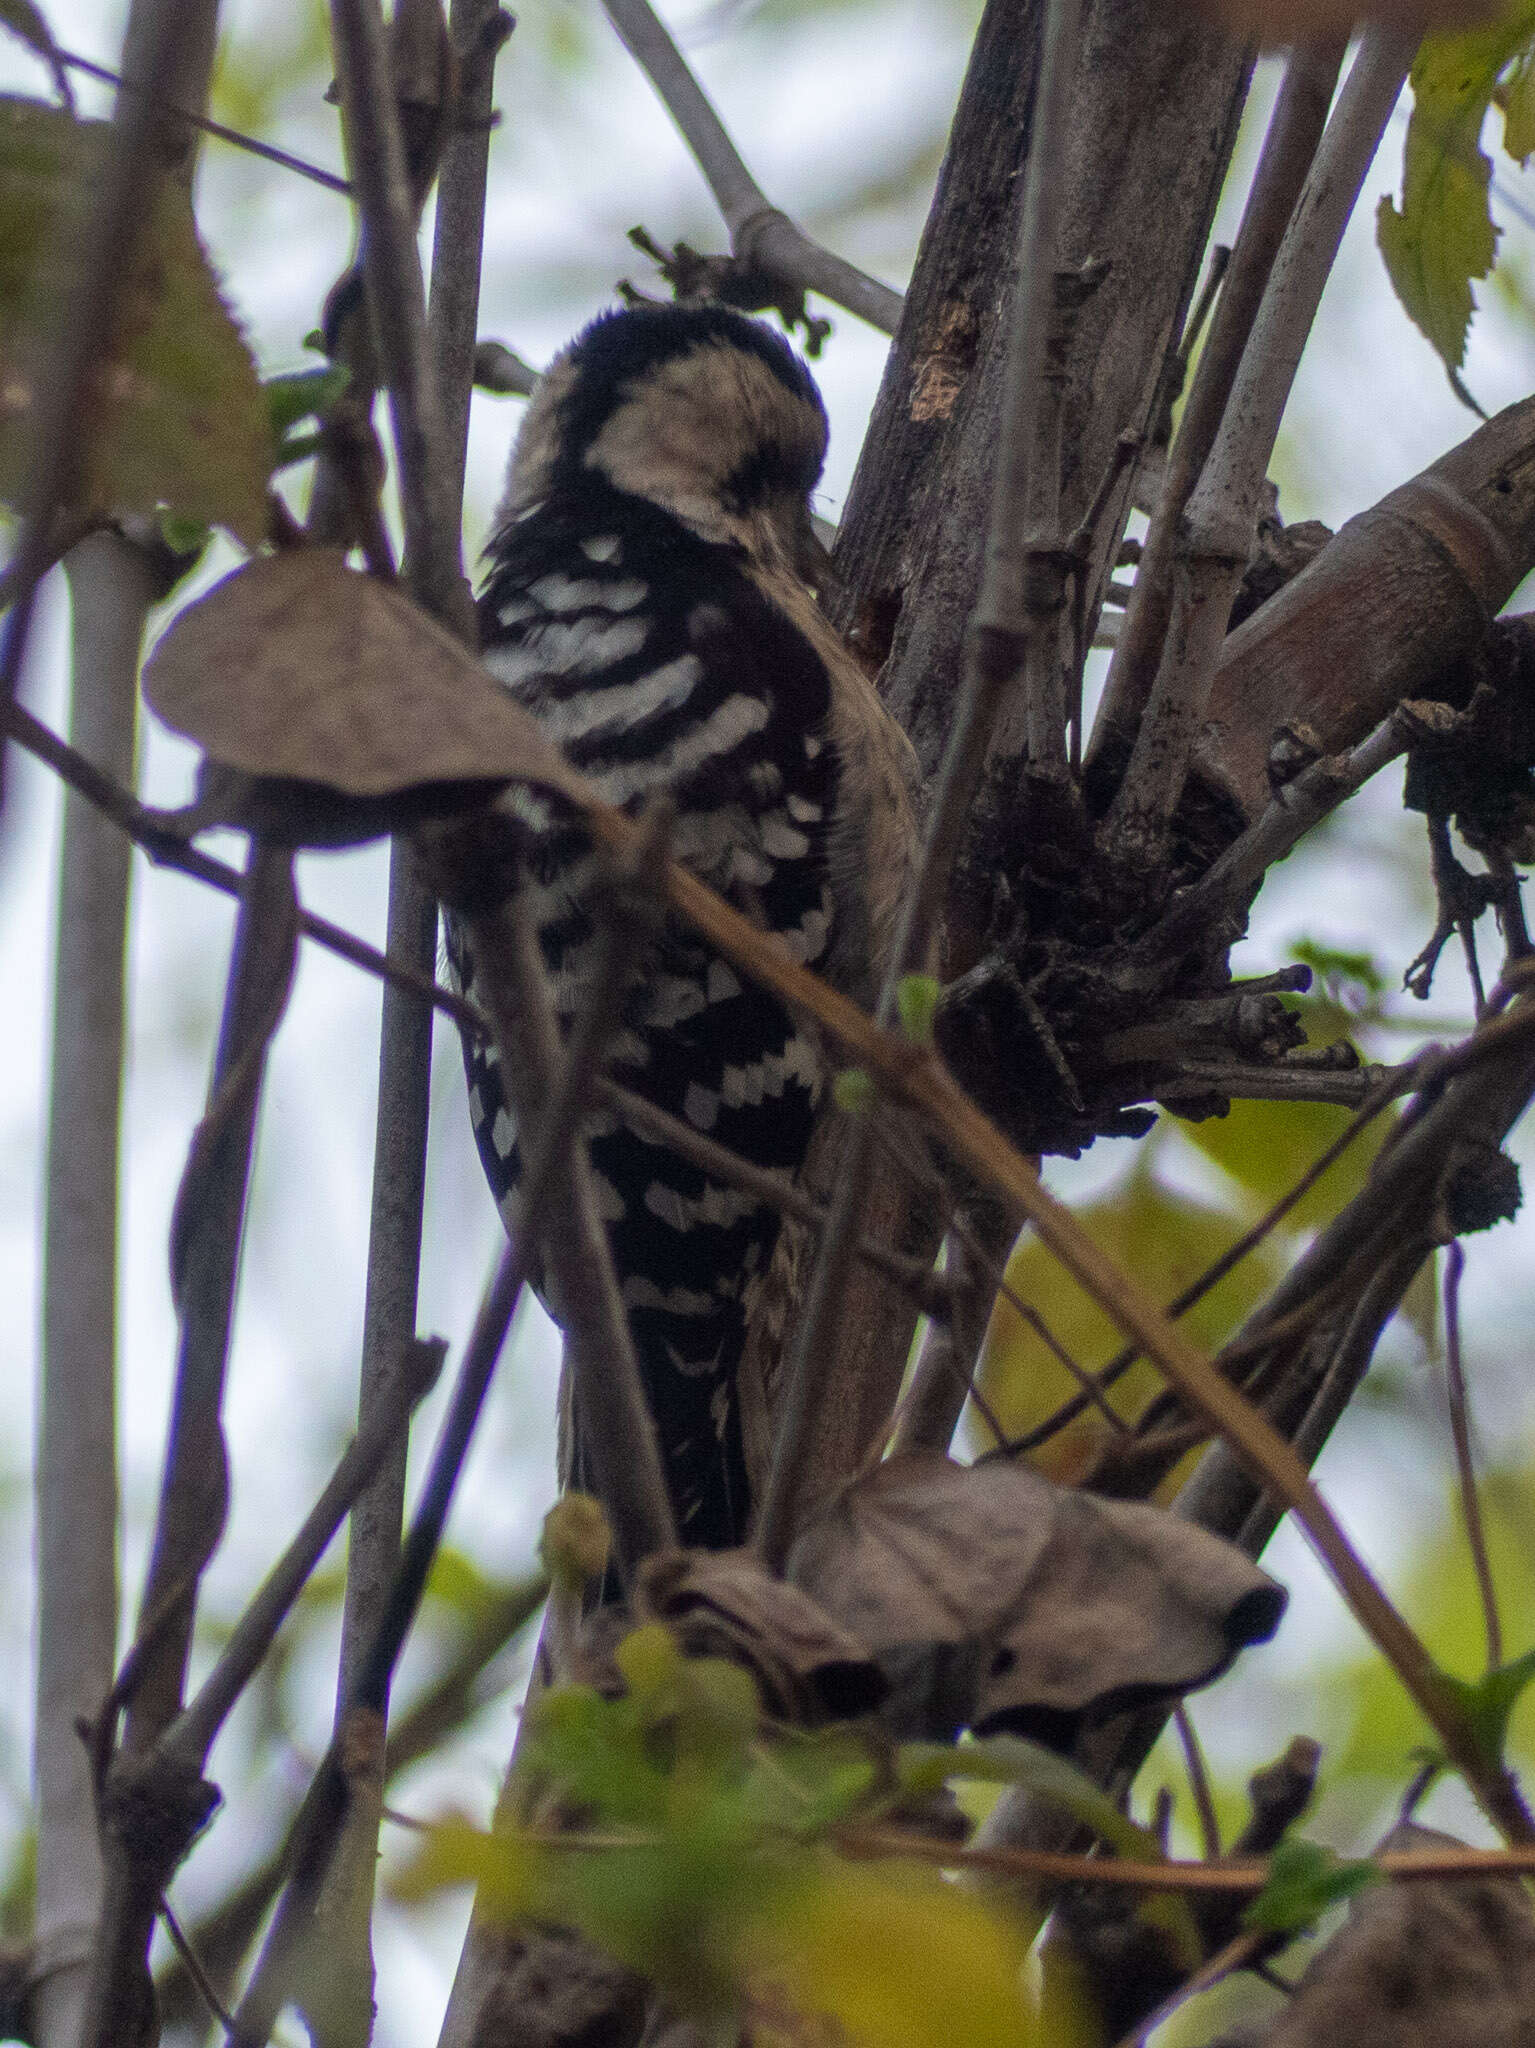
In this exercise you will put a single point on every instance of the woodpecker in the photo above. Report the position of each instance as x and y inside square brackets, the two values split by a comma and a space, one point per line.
[647, 600]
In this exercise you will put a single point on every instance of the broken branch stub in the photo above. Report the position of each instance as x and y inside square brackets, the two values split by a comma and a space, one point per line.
[1402, 591]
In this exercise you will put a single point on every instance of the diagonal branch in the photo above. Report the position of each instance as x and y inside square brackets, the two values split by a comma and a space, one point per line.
[760, 234]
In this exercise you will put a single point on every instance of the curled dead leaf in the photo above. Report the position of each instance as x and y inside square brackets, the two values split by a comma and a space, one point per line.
[723, 1604]
[995, 1600]
[1421, 1965]
[297, 668]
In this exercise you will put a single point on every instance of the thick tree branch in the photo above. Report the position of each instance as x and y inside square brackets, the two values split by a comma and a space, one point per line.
[995, 649]
[1295, 129]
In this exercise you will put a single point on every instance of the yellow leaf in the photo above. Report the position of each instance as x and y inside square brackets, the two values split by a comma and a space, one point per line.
[1165, 1239]
[506, 1870]
[1267, 1146]
[896, 1957]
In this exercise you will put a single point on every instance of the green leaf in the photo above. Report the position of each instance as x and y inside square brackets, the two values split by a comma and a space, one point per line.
[507, 1871]
[1489, 1702]
[1304, 1879]
[916, 1000]
[854, 1092]
[1013, 1760]
[1341, 968]
[1518, 97]
[1443, 238]
[1267, 1146]
[303, 395]
[1165, 1237]
[178, 418]
[896, 1957]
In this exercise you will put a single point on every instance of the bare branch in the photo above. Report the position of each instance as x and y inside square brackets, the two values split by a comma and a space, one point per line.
[995, 651]
[206, 1238]
[191, 1735]
[396, 297]
[1217, 902]
[1465, 1463]
[760, 234]
[76, 1477]
[1295, 128]
[267, 151]
[1221, 513]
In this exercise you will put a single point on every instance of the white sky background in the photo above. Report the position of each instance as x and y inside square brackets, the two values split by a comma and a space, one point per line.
[583, 153]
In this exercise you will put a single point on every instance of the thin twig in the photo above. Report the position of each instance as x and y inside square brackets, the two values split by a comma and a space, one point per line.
[205, 1242]
[1213, 904]
[156, 832]
[994, 654]
[405, 1039]
[323, 1813]
[1295, 128]
[944, 1376]
[224, 1933]
[191, 1736]
[760, 234]
[206, 1236]
[1214, 1273]
[1238, 1953]
[616, 1427]
[1199, 1783]
[391, 264]
[283, 158]
[565, 1089]
[1235, 1877]
[1465, 1466]
[192, 1964]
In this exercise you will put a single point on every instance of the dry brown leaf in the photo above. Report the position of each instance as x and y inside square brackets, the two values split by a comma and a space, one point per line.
[1430, 1965]
[1274, 22]
[297, 667]
[723, 1604]
[998, 1601]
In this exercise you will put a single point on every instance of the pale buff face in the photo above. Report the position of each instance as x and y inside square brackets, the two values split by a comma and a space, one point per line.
[681, 435]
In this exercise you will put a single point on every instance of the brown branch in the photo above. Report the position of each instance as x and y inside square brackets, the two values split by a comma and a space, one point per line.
[1295, 128]
[1465, 1464]
[190, 1737]
[995, 651]
[1220, 516]
[1403, 1866]
[1401, 594]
